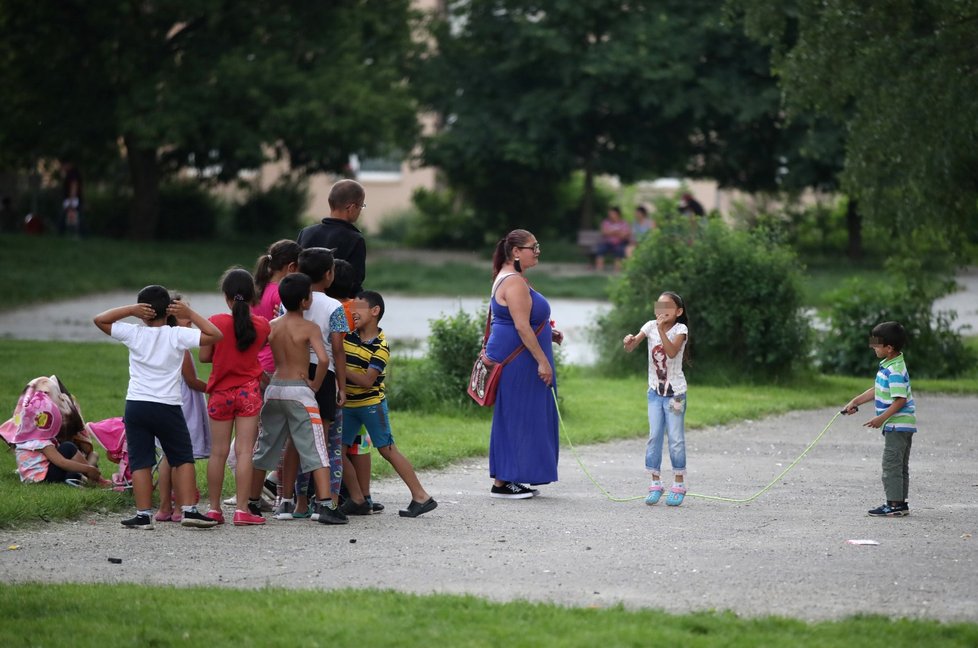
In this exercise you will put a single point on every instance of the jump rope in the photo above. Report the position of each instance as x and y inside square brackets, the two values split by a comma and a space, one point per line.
[717, 498]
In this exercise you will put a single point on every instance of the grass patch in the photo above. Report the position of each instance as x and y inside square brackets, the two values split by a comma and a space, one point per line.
[100, 265]
[137, 615]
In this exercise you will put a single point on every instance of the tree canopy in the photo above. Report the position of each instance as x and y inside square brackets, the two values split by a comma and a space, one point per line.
[903, 77]
[215, 86]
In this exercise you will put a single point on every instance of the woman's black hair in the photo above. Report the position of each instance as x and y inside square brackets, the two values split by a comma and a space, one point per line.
[504, 249]
[238, 285]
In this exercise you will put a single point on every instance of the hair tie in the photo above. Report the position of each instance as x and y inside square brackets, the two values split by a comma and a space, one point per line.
[238, 297]
[268, 256]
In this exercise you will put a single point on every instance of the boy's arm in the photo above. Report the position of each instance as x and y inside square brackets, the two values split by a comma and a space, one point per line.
[70, 465]
[339, 360]
[316, 342]
[209, 333]
[631, 341]
[363, 379]
[865, 397]
[106, 319]
[206, 353]
[895, 406]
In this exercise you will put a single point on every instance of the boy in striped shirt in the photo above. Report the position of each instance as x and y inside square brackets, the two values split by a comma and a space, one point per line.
[895, 413]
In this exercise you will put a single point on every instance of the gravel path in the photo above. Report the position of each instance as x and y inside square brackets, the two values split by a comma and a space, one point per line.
[784, 554]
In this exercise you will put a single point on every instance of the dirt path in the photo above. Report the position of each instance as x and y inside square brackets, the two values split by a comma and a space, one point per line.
[784, 554]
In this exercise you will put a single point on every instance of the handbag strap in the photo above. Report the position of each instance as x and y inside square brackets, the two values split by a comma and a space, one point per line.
[485, 337]
[520, 348]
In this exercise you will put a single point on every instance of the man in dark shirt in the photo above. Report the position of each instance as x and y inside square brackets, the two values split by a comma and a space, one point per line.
[337, 231]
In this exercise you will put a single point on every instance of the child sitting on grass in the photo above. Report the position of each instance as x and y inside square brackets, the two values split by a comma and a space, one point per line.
[367, 355]
[153, 400]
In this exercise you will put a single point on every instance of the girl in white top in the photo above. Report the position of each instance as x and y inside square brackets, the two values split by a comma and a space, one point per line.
[667, 335]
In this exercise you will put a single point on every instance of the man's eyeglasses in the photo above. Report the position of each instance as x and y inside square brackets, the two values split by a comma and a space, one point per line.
[360, 205]
[535, 247]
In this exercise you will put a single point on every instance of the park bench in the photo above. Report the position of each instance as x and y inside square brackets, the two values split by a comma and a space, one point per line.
[588, 241]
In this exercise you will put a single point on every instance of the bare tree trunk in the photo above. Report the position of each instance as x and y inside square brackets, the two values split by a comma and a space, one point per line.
[144, 171]
[587, 198]
[855, 227]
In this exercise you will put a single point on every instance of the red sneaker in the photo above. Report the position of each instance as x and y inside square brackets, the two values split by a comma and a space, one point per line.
[215, 515]
[243, 519]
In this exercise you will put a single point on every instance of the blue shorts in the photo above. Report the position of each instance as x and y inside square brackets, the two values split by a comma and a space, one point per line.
[146, 421]
[372, 417]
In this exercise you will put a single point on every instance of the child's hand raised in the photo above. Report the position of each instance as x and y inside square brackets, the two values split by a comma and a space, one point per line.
[178, 309]
[144, 312]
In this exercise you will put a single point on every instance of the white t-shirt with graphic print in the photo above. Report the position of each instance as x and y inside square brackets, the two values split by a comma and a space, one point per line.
[665, 374]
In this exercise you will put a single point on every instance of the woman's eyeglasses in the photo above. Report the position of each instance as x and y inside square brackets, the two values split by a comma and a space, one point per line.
[535, 247]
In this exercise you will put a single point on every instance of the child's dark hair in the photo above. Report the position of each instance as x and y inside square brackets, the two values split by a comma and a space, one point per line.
[373, 298]
[238, 285]
[171, 320]
[344, 278]
[890, 334]
[315, 262]
[681, 319]
[156, 296]
[279, 255]
[293, 289]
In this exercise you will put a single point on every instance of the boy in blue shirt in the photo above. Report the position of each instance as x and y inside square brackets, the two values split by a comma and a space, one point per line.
[895, 413]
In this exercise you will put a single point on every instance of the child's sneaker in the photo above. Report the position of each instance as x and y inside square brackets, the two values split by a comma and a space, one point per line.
[655, 494]
[888, 510]
[215, 515]
[139, 521]
[676, 495]
[194, 518]
[285, 510]
[511, 490]
[375, 507]
[244, 519]
[328, 515]
[352, 508]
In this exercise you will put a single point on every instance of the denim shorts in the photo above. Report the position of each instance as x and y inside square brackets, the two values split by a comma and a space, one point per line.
[372, 417]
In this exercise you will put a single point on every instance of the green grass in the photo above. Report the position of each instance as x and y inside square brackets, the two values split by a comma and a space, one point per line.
[137, 615]
[76, 268]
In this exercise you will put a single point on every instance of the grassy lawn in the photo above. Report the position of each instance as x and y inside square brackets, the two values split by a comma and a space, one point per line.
[134, 615]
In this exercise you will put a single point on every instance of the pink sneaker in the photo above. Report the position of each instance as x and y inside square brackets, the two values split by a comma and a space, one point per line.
[244, 519]
[163, 517]
[215, 515]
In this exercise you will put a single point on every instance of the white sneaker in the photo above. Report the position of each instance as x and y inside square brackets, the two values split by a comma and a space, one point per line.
[284, 510]
[231, 501]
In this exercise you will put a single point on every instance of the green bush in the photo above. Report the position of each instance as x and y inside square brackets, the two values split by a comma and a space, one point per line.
[441, 378]
[188, 211]
[276, 211]
[107, 211]
[742, 293]
[934, 349]
[438, 220]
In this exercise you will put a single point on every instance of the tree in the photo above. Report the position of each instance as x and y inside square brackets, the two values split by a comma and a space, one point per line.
[903, 77]
[217, 87]
[630, 88]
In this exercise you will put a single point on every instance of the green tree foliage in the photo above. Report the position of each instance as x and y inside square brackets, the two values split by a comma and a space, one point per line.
[533, 92]
[743, 299]
[213, 86]
[904, 79]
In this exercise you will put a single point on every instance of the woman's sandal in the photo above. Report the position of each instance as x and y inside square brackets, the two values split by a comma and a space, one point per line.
[675, 496]
[655, 492]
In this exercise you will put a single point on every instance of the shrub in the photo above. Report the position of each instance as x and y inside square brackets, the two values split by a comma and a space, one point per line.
[439, 221]
[742, 292]
[276, 211]
[934, 349]
[188, 211]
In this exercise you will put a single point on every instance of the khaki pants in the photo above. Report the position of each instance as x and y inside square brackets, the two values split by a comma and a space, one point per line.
[896, 465]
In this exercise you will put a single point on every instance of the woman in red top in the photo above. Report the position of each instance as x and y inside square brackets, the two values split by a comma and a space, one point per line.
[235, 396]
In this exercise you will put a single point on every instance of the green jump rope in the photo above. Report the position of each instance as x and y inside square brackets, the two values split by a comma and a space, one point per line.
[717, 498]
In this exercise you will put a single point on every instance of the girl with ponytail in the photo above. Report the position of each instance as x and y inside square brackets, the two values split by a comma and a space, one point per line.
[235, 396]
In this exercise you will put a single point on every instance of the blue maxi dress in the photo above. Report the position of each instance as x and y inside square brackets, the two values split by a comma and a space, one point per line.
[524, 443]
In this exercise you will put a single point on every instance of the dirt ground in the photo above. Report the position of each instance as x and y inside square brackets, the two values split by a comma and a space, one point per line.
[785, 554]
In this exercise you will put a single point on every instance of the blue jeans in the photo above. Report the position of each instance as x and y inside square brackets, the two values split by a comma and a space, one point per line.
[667, 415]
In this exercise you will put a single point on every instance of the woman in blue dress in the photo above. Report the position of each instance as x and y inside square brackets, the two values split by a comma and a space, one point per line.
[524, 443]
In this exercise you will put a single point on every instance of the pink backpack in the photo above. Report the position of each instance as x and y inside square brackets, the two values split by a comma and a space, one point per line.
[111, 433]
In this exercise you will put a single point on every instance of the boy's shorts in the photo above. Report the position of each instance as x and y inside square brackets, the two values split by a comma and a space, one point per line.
[243, 400]
[290, 410]
[326, 396]
[146, 421]
[372, 417]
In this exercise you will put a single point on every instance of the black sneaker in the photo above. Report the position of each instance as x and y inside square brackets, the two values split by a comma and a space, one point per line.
[270, 490]
[331, 516]
[139, 521]
[511, 490]
[254, 507]
[352, 508]
[887, 510]
[376, 507]
[194, 518]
